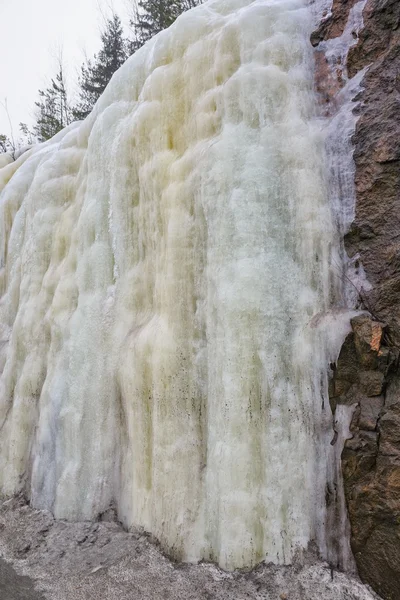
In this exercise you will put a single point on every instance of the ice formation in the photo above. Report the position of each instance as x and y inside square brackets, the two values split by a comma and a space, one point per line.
[165, 284]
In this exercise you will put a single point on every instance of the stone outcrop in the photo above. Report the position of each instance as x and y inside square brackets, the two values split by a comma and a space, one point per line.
[375, 234]
[367, 373]
[365, 378]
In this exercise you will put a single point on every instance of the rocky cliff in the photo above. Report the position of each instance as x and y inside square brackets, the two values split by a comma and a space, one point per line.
[367, 374]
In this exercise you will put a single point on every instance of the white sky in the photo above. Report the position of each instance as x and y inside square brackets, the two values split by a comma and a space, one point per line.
[31, 34]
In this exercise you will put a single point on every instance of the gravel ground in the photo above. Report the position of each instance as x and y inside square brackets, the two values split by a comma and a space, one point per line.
[44, 559]
[14, 586]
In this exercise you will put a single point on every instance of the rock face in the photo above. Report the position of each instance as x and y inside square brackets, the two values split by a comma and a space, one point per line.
[367, 374]
[365, 378]
[375, 231]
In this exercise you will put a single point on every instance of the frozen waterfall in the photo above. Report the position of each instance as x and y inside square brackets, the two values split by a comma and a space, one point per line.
[165, 280]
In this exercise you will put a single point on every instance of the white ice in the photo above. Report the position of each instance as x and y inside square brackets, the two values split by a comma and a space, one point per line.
[165, 267]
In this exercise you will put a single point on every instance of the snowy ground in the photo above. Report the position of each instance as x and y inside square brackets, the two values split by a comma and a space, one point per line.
[44, 559]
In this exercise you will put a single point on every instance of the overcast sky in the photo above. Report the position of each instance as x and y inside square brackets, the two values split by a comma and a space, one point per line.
[31, 34]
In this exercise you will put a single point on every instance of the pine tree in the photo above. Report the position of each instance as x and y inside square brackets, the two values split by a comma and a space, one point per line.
[28, 137]
[12, 147]
[6, 145]
[53, 111]
[152, 16]
[96, 73]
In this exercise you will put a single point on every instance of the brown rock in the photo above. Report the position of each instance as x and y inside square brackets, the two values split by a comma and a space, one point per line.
[378, 560]
[370, 409]
[353, 396]
[390, 434]
[367, 370]
[371, 473]
[371, 382]
[367, 340]
[341, 389]
[327, 83]
[346, 372]
[365, 441]
[374, 234]
[334, 25]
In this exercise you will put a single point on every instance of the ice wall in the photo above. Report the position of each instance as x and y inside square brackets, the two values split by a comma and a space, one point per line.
[165, 286]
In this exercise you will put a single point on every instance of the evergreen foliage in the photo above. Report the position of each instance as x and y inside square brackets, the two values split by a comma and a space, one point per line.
[28, 136]
[53, 111]
[152, 16]
[96, 73]
[10, 146]
[6, 145]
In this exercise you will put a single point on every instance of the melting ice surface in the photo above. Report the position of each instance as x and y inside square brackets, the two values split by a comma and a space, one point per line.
[164, 266]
